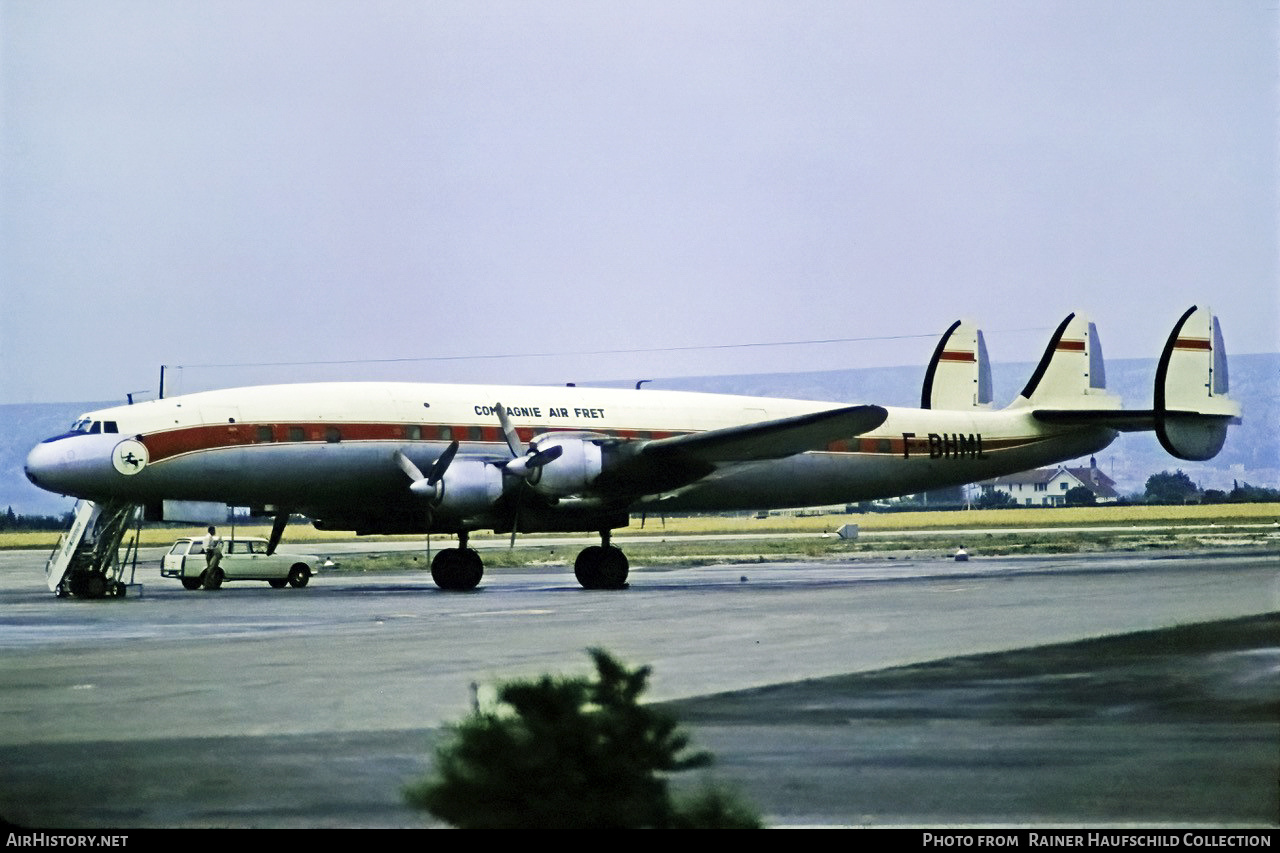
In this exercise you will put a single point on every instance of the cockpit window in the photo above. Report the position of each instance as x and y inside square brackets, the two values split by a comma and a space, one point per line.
[87, 426]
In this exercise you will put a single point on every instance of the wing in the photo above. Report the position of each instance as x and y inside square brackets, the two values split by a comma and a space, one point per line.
[668, 463]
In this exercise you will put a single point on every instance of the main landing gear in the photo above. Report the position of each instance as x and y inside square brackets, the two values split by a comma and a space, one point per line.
[457, 569]
[602, 566]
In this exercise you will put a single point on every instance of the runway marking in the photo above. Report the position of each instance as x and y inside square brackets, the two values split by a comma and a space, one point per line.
[529, 612]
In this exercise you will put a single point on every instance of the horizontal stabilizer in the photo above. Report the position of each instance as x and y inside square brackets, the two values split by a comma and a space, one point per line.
[959, 374]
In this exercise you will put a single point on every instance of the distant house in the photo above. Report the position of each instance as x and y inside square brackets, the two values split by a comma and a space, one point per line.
[1049, 486]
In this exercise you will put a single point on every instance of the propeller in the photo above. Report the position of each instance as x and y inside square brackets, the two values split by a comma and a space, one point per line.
[526, 466]
[427, 485]
[521, 464]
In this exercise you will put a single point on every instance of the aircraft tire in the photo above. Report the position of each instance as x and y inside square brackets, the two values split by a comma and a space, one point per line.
[298, 576]
[457, 569]
[278, 583]
[601, 567]
[212, 579]
[191, 583]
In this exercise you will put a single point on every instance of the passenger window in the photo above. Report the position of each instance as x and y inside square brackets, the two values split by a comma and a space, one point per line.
[332, 435]
[265, 433]
[413, 432]
[296, 433]
[446, 433]
[475, 433]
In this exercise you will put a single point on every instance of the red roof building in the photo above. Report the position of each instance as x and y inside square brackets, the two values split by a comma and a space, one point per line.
[1049, 486]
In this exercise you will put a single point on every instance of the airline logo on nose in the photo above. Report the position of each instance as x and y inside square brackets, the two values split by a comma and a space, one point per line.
[129, 457]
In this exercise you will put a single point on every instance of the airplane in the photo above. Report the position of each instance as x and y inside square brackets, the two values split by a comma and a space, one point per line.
[387, 457]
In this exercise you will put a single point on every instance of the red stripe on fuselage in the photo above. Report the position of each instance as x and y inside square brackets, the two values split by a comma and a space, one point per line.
[176, 442]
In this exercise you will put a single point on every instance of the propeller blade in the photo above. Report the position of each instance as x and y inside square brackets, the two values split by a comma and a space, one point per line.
[442, 463]
[542, 457]
[509, 431]
[407, 466]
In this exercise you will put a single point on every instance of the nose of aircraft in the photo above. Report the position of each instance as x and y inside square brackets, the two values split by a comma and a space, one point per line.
[71, 465]
[40, 462]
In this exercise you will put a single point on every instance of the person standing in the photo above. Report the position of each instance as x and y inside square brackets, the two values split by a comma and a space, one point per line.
[212, 557]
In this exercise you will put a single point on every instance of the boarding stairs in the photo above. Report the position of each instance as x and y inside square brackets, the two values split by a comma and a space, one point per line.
[87, 561]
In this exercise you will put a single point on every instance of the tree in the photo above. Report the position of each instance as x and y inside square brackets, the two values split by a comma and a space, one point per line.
[1245, 493]
[1080, 496]
[995, 499]
[570, 753]
[1167, 488]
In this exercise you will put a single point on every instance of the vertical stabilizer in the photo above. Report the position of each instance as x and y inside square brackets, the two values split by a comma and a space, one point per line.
[959, 375]
[1192, 408]
[1071, 374]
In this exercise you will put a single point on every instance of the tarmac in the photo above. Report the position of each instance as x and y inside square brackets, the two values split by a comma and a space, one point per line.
[1085, 690]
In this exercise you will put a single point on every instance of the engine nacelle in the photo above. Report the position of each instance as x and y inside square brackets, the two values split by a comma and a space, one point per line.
[468, 487]
[578, 465]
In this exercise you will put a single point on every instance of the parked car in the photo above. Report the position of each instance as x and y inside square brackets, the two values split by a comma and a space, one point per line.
[242, 560]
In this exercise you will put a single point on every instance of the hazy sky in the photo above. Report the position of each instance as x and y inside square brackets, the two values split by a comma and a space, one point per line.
[196, 183]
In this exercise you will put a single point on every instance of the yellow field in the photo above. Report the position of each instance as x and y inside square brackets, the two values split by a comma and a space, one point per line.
[941, 520]
[949, 519]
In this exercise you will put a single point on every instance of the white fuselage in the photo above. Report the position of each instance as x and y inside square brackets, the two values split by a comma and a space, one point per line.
[329, 449]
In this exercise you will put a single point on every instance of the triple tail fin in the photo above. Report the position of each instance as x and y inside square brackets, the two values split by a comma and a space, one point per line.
[1192, 408]
[959, 374]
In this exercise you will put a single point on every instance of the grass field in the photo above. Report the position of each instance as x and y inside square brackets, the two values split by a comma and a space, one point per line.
[989, 532]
